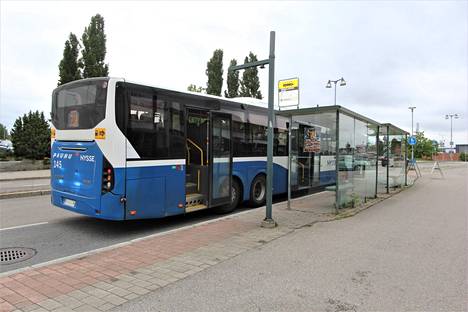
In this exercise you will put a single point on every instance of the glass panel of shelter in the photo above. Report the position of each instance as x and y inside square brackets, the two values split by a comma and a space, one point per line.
[356, 161]
[313, 144]
[396, 170]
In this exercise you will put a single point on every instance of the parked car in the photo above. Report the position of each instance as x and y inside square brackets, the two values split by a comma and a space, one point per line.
[6, 145]
[361, 162]
[6, 149]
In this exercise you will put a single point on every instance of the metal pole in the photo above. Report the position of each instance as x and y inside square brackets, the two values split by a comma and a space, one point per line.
[406, 157]
[289, 163]
[377, 162]
[269, 222]
[337, 169]
[335, 92]
[388, 158]
[451, 139]
[412, 146]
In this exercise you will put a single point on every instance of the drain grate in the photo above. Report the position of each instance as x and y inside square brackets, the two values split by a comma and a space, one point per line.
[15, 254]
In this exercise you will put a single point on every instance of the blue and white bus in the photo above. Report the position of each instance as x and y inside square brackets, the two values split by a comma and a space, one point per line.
[122, 151]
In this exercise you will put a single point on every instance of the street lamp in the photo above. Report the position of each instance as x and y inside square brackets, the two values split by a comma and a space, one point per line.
[268, 221]
[412, 146]
[342, 84]
[451, 116]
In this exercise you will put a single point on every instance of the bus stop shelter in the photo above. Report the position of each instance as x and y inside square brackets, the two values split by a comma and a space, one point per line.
[392, 158]
[334, 148]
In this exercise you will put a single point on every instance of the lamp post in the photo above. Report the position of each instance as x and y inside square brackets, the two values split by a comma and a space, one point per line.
[342, 84]
[268, 221]
[451, 116]
[412, 146]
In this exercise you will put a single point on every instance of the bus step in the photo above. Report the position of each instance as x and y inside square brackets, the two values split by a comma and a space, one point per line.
[190, 187]
[195, 208]
[194, 199]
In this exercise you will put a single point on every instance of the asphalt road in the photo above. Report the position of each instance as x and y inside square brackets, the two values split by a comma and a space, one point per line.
[24, 185]
[55, 233]
[407, 253]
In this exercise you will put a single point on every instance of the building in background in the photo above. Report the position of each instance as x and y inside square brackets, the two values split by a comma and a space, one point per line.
[461, 148]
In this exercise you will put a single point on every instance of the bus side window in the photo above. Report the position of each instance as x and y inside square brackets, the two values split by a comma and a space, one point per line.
[155, 127]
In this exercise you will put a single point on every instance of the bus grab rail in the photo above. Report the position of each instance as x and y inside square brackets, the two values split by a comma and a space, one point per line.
[303, 169]
[199, 148]
[188, 153]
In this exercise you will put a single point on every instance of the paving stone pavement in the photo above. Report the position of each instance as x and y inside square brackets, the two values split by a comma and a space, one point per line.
[104, 280]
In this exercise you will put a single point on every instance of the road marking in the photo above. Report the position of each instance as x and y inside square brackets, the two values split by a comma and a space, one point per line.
[35, 184]
[23, 226]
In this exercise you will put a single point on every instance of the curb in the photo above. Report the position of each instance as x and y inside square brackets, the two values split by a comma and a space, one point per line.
[24, 194]
[122, 244]
[129, 242]
[22, 179]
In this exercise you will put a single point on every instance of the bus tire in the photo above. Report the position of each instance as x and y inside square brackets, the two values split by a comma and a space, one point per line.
[258, 191]
[235, 198]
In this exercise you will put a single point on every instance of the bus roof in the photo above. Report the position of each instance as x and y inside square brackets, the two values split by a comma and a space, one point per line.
[240, 100]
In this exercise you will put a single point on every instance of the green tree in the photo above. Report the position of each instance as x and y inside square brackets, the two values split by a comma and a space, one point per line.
[31, 136]
[94, 49]
[18, 137]
[214, 71]
[4, 132]
[232, 82]
[195, 88]
[424, 147]
[69, 67]
[250, 83]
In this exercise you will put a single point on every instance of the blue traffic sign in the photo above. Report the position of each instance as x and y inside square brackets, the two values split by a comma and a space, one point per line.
[412, 140]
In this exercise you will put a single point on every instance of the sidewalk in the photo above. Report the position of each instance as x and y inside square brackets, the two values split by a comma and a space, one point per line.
[103, 280]
[24, 175]
[407, 253]
[15, 184]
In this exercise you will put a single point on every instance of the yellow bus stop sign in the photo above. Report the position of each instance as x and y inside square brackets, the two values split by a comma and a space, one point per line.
[288, 93]
[289, 84]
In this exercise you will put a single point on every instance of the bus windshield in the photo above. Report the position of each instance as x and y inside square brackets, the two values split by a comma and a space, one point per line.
[79, 105]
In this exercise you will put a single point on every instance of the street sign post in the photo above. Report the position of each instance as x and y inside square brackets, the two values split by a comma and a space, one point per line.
[412, 164]
[412, 140]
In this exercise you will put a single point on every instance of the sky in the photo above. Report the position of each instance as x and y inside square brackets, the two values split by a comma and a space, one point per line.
[392, 54]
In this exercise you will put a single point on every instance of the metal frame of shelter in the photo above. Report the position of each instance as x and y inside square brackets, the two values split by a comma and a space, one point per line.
[341, 184]
[391, 129]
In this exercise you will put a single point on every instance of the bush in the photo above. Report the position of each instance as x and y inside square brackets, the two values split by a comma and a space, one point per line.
[5, 153]
[31, 136]
[463, 156]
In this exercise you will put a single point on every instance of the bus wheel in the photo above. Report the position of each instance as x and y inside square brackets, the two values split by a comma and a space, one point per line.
[258, 191]
[235, 198]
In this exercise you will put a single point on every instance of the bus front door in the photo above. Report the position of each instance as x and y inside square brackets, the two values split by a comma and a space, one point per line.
[220, 159]
[197, 159]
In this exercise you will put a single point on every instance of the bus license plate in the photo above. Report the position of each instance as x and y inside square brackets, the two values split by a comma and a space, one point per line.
[69, 202]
